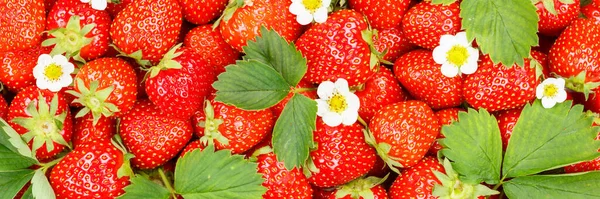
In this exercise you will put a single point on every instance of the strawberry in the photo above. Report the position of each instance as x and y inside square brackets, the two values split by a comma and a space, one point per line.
[402, 132]
[321, 193]
[92, 170]
[555, 15]
[279, 181]
[361, 188]
[341, 156]
[230, 127]
[425, 23]
[393, 42]
[22, 24]
[445, 117]
[592, 11]
[211, 46]
[43, 120]
[241, 23]
[3, 108]
[149, 26]
[202, 12]
[16, 68]
[506, 121]
[113, 8]
[381, 90]
[382, 14]
[335, 49]
[151, 136]
[85, 131]
[496, 87]
[417, 181]
[422, 77]
[196, 144]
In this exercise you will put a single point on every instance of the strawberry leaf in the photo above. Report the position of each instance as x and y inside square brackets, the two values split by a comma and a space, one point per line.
[141, 187]
[217, 174]
[545, 139]
[14, 152]
[11, 182]
[28, 194]
[272, 49]
[581, 185]
[251, 85]
[293, 132]
[475, 147]
[506, 30]
[444, 2]
[40, 186]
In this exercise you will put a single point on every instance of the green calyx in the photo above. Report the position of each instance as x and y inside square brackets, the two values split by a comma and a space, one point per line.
[211, 127]
[578, 84]
[549, 5]
[360, 188]
[125, 169]
[93, 100]
[137, 56]
[376, 56]
[167, 62]
[229, 10]
[383, 150]
[44, 125]
[453, 188]
[70, 39]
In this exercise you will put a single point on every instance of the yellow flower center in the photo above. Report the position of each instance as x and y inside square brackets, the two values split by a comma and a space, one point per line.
[337, 103]
[550, 90]
[53, 72]
[457, 55]
[312, 5]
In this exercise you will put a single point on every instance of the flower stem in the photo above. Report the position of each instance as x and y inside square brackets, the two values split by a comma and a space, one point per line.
[46, 166]
[166, 182]
[300, 90]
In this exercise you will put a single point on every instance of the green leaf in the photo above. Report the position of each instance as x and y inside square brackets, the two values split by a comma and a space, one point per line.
[28, 194]
[444, 2]
[40, 186]
[272, 49]
[475, 147]
[11, 182]
[14, 152]
[208, 174]
[585, 2]
[251, 85]
[506, 30]
[141, 187]
[293, 131]
[545, 139]
[581, 185]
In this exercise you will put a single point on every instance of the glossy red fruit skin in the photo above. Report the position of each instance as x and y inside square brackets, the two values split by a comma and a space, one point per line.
[382, 14]
[85, 131]
[591, 11]
[445, 117]
[114, 8]
[203, 11]
[425, 23]
[16, 67]
[394, 40]
[417, 181]
[153, 137]
[342, 154]
[3, 107]
[193, 145]
[409, 127]
[63, 10]
[379, 192]
[335, 49]
[211, 46]
[280, 182]
[381, 90]
[22, 24]
[321, 193]
[90, 171]
[576, 50]
[553, 25]
[507, 120]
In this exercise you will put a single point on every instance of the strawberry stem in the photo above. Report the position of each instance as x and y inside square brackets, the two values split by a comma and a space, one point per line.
[46, 166]
[166, 182]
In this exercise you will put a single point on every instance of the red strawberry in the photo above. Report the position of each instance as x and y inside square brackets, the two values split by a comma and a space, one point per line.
[553, 21]
[202, 12]
[151, 136]
[151, 26]
[114, 8]
[341, 156]
[90, 171]
[381, 90]
[22, 24]
[41, 117]
[393, 41]
[16, 67]
[85, 131]
[196, 144]
[496, 87]
[334, 51]
[382, 14]
[445, 117]
[211, 46]
[321, 193]
[362, 188]
[280, 182]
[232, 128]
[423, 78]
[506, 121]
[3, 108]
[417, 181]
[592, 11]
[425, 23]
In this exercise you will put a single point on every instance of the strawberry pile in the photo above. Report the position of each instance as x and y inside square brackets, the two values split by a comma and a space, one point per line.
[299, 99]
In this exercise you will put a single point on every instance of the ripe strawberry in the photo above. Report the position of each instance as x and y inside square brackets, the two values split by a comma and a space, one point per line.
[403, 132]
[425, 23]
[43, 120]
[496, 87]
[417, 181]
[279, 181]
[362, 188]
[114, 8]
[334, 51]
[90, 171]
[151, 26]
[151, 136]
[382, 14]
[16, 68]
[342, 155]
[202, 12]
[381, 90]
[3, 108]
[22, 24]
[85, 131]
[422, 77]
[278, 108]
[196, 144]
[506, 121]
[394, 41]
[445, 117]
[564, 14]
[230, 127]
[321, 192]
[592, 11]
[211, 46]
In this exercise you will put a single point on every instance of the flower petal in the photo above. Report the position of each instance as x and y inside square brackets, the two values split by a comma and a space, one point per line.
[539, 90]
[440, 54]
[561, 96]
[342, 86]
[449, 70]
[99, 4]
[41, 83]
[560, 83]
[65, 80]
[304, 17]
[85, 1]
[68, 68]
[548, 102]
[349, 118]
[469, 68]
[325, 89]
[54, 86]
[447, 40]
[44, 59]
[296, 7]
[59, 59]
[461, 38]
[325, 3]
[352, 101]
[332, 119]
[321, 15]
[322, 107]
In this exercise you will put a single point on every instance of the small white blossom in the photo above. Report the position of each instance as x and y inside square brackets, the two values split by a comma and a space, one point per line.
[97, 4]
[307, 10]
[551, 91]
[456, 55]
[53, 72]
[336, 104]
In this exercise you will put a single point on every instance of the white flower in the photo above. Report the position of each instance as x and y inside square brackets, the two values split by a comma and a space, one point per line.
[337, 105]
[53, 72]
[551, 91]
[307, 10]
[97, 4]
[456, 55]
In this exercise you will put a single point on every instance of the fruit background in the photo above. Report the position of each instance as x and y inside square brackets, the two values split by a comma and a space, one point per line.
[299, 99]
